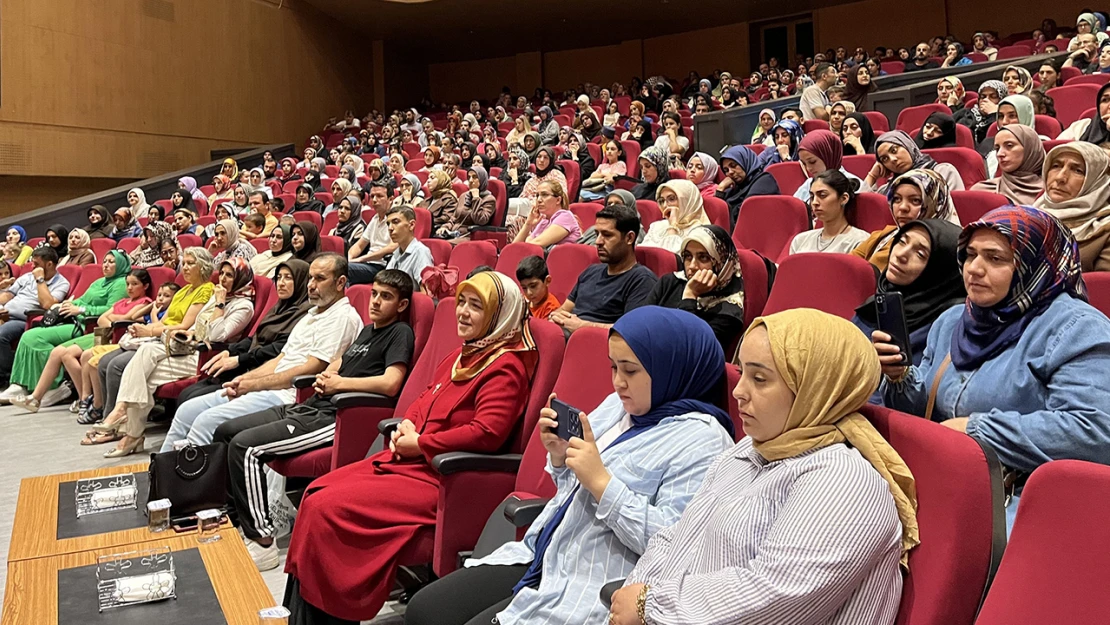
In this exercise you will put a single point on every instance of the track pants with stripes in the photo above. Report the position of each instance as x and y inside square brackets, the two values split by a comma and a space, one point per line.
[256, 438]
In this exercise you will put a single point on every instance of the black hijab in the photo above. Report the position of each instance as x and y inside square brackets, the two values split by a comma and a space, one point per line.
[947, 138]
[312, 204]
[550, 161]
[63, 238]
[646, 140]
[469, 160]
[940, 285]
[311, 241]
[186, 201]
[867, 135]
[287, 312]
[104, 230]
[1097, 132]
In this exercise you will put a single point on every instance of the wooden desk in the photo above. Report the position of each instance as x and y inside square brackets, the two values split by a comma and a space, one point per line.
[35, 528]
[32, 591]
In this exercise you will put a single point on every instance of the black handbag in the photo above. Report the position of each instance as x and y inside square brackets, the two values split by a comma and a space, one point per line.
[192, 478]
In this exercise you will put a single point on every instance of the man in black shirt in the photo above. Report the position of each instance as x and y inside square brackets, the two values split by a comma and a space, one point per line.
[375, 363]
[613, 287]
[920, 60]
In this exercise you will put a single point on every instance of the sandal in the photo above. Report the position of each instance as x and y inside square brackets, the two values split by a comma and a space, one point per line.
[100, 438]
[90, 416]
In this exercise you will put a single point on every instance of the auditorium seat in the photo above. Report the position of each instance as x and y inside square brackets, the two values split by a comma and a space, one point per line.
[329, 243]
[1090, 79]
[127, 244]
[716, 210]
[470, 254]
[649, 212]
[586, 213]
[1072, 100]
[879, 122]
[312, 216]
[757, 287]
[811, 125]
[632, 157]
[789, 176]
[261, 244]
[834, 283]
[566, 263]
[966, 161]
[423, 229]
[913, 117]
[972, 205]
[859, 165]
[189, 240]
[873, 212]
[658, 260]
[573, 175]
[331, 220]
[1098, 290]
[441, 252]
[101, 247]
[512, 254]
[1012, 52]
[960, 518]
[767, 223]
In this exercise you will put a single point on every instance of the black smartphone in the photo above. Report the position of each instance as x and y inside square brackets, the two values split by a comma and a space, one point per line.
[891, 317]
[566, 418]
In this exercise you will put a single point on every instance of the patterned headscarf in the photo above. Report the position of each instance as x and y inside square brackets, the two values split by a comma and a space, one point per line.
[920, 159]
[522, 156]
[157, 233]
[243, 284]
[935, 200]
[1025, 79]
[657, 156]
[794, 129]
[506, 326]
[1047, 265]
[726, 265]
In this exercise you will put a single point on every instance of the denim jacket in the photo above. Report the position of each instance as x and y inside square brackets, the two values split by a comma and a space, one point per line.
[1045, 398]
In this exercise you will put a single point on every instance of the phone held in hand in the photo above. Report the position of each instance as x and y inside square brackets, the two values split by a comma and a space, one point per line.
[568, 425]
[890, 314]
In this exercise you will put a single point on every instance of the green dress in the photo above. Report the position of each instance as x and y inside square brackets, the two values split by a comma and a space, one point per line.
[36, 344]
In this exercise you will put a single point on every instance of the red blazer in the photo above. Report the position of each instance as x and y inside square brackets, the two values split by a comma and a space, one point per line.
[476, 415]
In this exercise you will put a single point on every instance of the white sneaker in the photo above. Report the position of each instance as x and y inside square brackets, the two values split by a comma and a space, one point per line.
[56, 396]
[265, 558]
[14, 390]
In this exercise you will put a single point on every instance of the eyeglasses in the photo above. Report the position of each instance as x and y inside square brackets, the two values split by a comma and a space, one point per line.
[544, 196]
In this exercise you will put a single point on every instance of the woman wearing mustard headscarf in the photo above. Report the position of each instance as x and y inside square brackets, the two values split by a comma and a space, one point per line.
[806, 519]
[37, 344]
[230, 169]
[683, 210]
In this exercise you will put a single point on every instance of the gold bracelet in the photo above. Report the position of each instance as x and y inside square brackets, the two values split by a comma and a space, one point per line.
[641, 603]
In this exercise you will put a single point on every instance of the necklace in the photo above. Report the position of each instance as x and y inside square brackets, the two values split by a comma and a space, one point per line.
[822, 248]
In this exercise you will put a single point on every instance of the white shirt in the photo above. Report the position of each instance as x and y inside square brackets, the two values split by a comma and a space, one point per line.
[322, 335]
[376, 235]
[842, 243]
[664, 142]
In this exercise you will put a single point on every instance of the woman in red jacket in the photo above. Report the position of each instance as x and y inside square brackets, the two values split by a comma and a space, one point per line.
[353, 522]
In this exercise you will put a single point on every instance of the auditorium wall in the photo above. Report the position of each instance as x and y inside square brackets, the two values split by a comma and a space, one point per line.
[127, 89]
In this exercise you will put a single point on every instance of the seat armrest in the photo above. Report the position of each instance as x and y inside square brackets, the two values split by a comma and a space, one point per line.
[386, 426]
[123, 324]
[363, 400]
[460, 461]
[522, 512]
[607, 591]
[487, 229]
[303, 381]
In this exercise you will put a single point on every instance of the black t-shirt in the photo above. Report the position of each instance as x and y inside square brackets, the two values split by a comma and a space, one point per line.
[914, 67]
[371, 354]
[602, 298]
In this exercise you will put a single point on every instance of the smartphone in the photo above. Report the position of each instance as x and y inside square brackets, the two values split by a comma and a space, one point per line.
[566, 418]
[185, 524]
[891, 316]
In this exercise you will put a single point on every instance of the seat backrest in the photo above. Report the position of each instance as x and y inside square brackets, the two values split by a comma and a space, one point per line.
[441, 252]
[443, 339]
[649, 212]
[160, 276]
[959, 515]
[732, 378]
[1012, 52]
[1047, 125]
[858, 164]
[550, 347]
[586, 213]
[566, 263]
[810, 125]
[789, 176]
[189, 240]
[101, 247]
[893, 67]
[1098, 290]
[756, 288]
[421, 314]
[912, 117]
[325, 197]
[265, 297]
[89, 273]
[359, 296]
[1090, 79]
[584, 380]
[1055, 568]
[512, 254]
[127, 244]
[470, 254]
[632, 157]
[72, 274]
[311, 216]
[331, 220]
[966, 161]
[501, 197]
[972, 205]
[716, 210]
[1071, 100]
[657, 259]
[834, 283]
[261, 244]
[879, 122]
[573, 175]
[329, 243]
[423, 228]
[873, 212]
[767, 223]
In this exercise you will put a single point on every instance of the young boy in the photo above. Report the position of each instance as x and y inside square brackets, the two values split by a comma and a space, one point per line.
[161, 302]
[534, 279]
[375, 363]
[254, 224]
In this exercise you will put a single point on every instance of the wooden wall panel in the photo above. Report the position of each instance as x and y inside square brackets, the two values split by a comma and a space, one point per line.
[603, 65]
[723, 47]
[25, 193]
[176, 77]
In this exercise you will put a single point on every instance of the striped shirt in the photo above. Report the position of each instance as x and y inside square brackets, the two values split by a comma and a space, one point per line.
[806, 540]
[654, 475]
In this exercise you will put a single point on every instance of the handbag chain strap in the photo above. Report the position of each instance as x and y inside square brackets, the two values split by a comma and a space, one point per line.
[191, 453]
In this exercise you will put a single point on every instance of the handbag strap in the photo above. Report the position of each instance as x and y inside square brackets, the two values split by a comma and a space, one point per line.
[936, 385]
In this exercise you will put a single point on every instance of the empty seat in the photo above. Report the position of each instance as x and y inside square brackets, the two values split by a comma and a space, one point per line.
[753, 268]
[834, 283]
[1072, 100]
[879, 122]
[972, 205]
[768, 223]
[566, 263]
[1090, 79]
[441, 252]
[1055, 568]
[873, 212]
[913, 117]
[966, 161]
[101, 247]
[789, 176]
[859, 165]
[717, 211]
[330, 243]
[893, 67]
[468, 255]
[1012, 52]
[649, 212]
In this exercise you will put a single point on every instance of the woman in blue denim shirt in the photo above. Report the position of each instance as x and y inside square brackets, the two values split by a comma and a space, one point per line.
[1029, 357]
[656, 436]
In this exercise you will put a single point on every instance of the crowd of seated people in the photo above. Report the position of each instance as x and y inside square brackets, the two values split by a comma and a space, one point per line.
[1002, 343]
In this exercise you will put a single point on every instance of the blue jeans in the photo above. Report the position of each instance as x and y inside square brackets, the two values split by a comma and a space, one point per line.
[363, 273]
[10, 331]
[198, 418]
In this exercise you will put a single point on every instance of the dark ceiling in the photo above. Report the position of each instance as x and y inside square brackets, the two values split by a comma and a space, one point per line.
[475, 29]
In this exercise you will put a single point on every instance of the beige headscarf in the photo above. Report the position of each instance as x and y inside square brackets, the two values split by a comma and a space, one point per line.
[1024, 184]
[1087, 215]
[833, 369]
[506, 326]
[439, 184]
[691, 209]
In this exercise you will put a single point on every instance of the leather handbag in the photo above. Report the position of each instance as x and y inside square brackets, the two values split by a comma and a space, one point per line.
[193, 478]
[179, 344]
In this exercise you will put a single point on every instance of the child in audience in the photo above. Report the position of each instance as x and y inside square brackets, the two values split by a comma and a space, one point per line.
[254, 224]
[534, 280]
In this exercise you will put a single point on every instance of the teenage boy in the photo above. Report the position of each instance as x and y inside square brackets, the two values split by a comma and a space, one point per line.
[534, 279]
[369, 254]
[411, 256]
[375, 363]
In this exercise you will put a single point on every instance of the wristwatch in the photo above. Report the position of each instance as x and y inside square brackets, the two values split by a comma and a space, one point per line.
[40, 280]
[221, 305]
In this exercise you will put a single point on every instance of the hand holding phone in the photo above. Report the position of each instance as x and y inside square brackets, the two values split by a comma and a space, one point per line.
[890, 316]
[568, 424]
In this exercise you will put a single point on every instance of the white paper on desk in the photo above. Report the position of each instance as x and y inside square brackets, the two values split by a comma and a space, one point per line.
[113, 498]
[144, 587]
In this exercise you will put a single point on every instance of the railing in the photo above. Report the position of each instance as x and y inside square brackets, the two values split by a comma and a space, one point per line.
[73, 213]
[713, 131]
